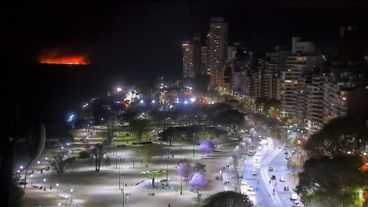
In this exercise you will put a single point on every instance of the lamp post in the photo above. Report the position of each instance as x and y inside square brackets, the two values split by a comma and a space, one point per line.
[181, 142]
[122, 189]
[127, 199]
[44, 183]
[167, 165]
[30, 180]
[119, 173]
[181, 181]
[71, 196]
[193, 144]
[57, 188]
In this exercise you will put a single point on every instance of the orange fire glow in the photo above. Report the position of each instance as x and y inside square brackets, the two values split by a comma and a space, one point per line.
[71, 60]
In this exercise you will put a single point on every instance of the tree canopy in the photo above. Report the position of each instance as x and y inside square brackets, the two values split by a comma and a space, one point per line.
[140, 127]
[228, 199]
[344, 135]
[229, 117]
[333, 181]
[148, 151]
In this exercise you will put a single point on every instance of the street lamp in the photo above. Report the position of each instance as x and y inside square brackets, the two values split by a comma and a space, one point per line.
[57, 188]
[119, 173]
[31, 179]
[122, 190]
[71, 196]
[193, 144]
[127, 198]
[181, 181]
[44, 183]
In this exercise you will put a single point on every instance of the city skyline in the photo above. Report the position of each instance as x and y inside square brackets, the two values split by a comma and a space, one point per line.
[184, 103]
[115, 39]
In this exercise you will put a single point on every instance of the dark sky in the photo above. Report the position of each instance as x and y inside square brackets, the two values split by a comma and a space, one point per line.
[145, 37]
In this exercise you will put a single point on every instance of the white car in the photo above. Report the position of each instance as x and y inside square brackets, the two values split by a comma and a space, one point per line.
[293, 197]
[254, 172]
[282, 179]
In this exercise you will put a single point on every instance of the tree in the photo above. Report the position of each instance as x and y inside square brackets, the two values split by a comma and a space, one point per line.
[340, 136]
[232, 118]
[153, 174]
[197, 183]
[170, 134]
[60, 161]
[140, 127]
[228, 199]
[148, 151]
[336, 181]
[184, 169]
[199, 167]
[206, 146]
[98, 155]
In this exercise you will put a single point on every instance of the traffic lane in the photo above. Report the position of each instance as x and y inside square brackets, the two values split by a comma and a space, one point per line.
[262, 196]
[265, 191]
[283, 171]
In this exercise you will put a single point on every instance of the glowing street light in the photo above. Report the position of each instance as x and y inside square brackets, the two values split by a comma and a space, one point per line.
[44, 183]
[21, 167]
[193, 99]
[141, 101]
[153, 101]
[71, 195]
[185, 102]
[118, 89]
[57, 188]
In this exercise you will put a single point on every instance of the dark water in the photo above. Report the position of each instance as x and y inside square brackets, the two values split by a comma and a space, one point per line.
[48, 93]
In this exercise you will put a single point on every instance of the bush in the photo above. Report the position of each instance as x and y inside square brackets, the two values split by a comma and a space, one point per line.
[84, 154]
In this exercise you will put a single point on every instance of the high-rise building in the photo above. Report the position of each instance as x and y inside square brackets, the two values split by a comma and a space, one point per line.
[303, 61]
[217, 51]
[271, 77]
[351, 45]
[314, 102]
[204, 58]
[337, 92]
[243, 65]
[188, 69]
[198, 67]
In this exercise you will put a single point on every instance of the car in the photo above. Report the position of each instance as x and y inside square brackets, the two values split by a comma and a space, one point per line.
[22, 182]
[226, 182]
[296, 204]
[270, 169]
[273, 177]
[251, 189]
[293, 196]
[282, 179]
[287, 157]
[254, 172]
[286, 153]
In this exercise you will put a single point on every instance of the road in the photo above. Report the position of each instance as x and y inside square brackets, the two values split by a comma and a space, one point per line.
[256, 174]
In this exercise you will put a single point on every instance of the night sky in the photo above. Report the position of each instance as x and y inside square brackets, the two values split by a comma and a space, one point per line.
[137, 40]
[145, 37]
